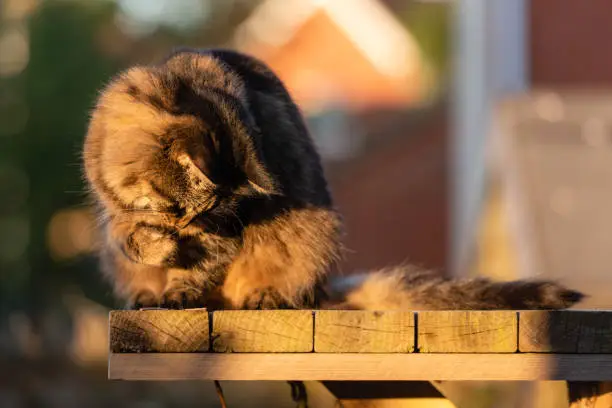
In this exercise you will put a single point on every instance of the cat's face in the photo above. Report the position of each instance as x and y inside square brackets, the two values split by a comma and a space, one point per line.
[174, 140]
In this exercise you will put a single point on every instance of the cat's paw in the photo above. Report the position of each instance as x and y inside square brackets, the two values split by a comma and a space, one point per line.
[144, 298]
[182, 298]
[241, 293]
[264, 298]
[150, 246]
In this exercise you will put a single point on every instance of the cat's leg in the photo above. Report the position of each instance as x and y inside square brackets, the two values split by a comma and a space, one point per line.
[137, 284]
[155, 286]
[282, 260]
[139, 250]
[190, 288]
[190, 269]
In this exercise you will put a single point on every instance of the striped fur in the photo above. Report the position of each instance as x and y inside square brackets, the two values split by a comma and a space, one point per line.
[211, 140]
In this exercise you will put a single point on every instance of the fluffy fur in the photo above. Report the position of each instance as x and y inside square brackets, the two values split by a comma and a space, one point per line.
[211, 194]
[210, 190]
[411, 288]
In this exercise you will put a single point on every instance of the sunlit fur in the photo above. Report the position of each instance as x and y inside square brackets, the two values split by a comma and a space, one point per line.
[211, 193]
[213, 134]
[411, 288]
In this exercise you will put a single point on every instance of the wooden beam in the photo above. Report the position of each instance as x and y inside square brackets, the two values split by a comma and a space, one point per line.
[263, 331]
[565, 332]
[352, 331]
[164, 331]
[360, 367]
[467, 332]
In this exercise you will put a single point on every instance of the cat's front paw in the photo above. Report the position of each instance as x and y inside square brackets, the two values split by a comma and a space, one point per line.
[142, 299]
[150, 246]
[182, 297]
[264, 298]
[243, 293]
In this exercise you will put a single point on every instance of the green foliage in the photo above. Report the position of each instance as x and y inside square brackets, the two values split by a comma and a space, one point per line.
[430, 23]
[55, 93]
[75, 46]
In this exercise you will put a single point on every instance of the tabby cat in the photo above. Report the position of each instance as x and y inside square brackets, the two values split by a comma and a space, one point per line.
[211, 194]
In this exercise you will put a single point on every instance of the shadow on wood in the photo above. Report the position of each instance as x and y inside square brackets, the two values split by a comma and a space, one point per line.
[585, 332]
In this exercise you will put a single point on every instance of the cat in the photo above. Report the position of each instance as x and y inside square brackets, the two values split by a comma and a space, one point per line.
[211, 193]
[210, 190]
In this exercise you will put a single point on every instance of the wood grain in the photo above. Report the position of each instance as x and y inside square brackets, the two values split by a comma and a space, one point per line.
[467, 332]
[166, 331]
[361, 367]
[565, 332]
[352, 331]
[263, 331]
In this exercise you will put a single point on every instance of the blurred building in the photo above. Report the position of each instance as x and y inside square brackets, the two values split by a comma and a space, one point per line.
[546, 80]
[567, 43]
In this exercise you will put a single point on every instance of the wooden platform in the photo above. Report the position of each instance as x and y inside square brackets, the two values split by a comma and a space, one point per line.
[356, 345]
[360, 367]
[574, 346]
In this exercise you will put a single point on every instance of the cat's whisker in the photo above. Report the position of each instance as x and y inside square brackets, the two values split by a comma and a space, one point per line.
[217, 242]
[233, 212]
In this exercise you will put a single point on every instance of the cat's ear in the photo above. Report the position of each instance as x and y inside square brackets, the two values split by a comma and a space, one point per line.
[259, 179]
[196, 166]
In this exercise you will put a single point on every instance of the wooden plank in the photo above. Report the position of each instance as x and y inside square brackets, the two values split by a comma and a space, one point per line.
[565, 331]
[263, 331]
[164, 331]
[467, 332]
[353, 331]
[361, 367]
[590, 394]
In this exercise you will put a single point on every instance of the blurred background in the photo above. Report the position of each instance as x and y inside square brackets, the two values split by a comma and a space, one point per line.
[472, 137]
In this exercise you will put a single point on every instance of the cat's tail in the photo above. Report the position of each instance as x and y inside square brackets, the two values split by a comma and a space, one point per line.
[408, 288]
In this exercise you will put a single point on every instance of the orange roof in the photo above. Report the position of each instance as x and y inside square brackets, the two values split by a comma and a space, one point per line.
[342, 52]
